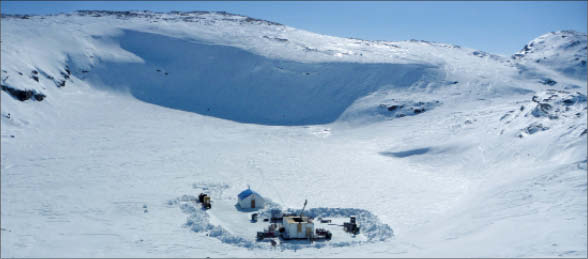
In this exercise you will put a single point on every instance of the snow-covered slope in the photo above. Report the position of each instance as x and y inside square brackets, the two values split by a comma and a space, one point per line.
[113, 121]
[235, 67]
[562, 51]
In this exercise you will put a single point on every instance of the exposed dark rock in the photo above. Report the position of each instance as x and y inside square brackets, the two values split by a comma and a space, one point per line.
[516, 56]
[545, 107]
[35, 75]
[401, 108]
[275, 38]
[39, 97]
[479, 53]
[23, 95]
[554, 104]
[64, 75]
[60, 83]
[569, 101]
[504, 116]
[548, 81]
[541, 110]
[394, 107]
[254, 20]
[418, 110]
[553, 96]
[573, 43]
[307, 49]
[534, 128]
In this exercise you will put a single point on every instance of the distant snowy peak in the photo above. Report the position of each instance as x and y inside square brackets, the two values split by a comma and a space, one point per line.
[563, 51]
[190, 16]
[559, 40]
[264, 37]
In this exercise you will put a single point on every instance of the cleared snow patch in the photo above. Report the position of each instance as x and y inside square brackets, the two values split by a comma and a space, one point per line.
[225, 222]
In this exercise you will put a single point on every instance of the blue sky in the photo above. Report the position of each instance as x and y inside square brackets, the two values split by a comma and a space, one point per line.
[496, 27]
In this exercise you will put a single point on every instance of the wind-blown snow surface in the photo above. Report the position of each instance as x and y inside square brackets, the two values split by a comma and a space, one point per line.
[445, 150]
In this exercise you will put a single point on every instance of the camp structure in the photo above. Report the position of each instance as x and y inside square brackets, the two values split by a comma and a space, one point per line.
[298, 227]
[249, 199]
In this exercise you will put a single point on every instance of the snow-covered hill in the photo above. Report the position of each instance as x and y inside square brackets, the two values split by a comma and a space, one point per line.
[562, 51]
[113, 121]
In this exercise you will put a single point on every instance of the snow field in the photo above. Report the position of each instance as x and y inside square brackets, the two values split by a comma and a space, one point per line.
[90, 170]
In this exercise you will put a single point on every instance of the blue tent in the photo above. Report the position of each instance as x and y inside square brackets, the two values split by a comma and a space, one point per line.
[244, 194]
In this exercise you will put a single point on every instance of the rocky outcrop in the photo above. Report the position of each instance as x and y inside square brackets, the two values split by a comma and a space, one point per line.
[23, 95]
